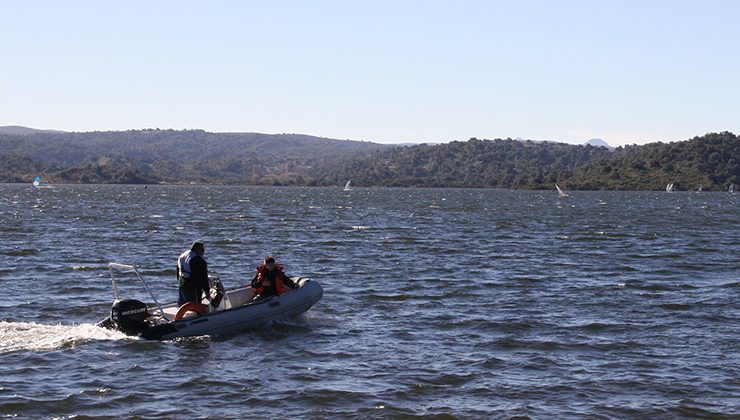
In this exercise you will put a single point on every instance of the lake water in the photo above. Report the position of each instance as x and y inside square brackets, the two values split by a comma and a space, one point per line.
[437, 303]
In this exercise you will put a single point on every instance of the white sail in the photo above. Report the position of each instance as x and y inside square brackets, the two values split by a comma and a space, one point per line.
[669, 187]
[731, 190]
[561, 193]
[347, 187]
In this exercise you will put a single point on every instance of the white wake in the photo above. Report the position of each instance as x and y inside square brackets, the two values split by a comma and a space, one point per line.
[30, 336]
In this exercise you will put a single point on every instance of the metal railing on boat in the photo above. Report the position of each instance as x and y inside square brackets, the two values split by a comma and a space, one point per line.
[133, 268]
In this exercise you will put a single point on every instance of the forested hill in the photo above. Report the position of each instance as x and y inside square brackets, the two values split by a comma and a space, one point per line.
[171, 156]
[711, 162]
[183, 156]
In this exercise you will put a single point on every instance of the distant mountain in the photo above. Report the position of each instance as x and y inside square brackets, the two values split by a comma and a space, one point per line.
[17, 130]
[598, 143]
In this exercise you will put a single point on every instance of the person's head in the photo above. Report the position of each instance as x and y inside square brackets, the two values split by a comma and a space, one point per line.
[198, 247]
[270, 262]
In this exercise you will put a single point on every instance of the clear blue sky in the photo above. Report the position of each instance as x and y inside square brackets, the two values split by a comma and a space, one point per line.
[386, 71]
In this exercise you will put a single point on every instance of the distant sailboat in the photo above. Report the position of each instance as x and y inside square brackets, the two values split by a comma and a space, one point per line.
[731, 190]
[561, 193]
[347, 187]
[37, 184]
[669, 187]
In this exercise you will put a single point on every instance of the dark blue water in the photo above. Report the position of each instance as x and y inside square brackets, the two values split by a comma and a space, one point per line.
[438, 302]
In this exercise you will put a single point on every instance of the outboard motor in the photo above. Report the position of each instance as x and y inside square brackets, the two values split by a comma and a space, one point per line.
[129, 316]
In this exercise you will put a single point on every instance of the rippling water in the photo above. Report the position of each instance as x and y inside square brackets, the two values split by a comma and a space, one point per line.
[438, 302]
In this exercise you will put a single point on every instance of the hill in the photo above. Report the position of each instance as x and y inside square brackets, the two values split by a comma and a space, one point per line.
[185, 156]
[17, 130]
[473, 163]
[173, 156]
[710, 161]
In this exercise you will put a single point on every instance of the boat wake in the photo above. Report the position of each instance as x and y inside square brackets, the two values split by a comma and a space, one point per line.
[30, 336]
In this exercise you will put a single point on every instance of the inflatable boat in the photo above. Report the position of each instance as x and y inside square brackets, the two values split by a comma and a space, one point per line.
[227, 311]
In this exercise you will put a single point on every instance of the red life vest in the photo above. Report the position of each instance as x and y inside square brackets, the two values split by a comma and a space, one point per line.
[262, 276]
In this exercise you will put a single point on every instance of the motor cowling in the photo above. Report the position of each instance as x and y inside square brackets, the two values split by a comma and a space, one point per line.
[129, 316]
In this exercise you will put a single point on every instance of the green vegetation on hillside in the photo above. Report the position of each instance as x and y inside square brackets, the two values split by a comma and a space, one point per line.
[170, 156]
[473, 163]
[710, 161]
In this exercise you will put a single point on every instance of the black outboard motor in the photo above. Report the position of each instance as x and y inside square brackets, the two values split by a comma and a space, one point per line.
[129, 316]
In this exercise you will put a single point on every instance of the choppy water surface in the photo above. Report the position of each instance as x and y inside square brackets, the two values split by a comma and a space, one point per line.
[459, 303]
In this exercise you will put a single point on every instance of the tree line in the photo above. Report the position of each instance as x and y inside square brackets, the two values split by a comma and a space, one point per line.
[195, 156]
[710, 162]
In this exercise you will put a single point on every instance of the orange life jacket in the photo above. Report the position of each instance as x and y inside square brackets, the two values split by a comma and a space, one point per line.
[262, 276]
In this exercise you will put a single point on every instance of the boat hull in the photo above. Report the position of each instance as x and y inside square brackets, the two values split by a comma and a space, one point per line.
[237, 311]
[252, 315]
[231, 310]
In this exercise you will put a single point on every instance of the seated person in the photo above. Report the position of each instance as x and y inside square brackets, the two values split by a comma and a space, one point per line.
[270, 279]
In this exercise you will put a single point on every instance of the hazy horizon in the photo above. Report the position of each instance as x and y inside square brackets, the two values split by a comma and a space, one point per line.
[21, 127]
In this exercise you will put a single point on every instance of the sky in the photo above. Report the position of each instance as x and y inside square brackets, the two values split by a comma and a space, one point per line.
[398, 71]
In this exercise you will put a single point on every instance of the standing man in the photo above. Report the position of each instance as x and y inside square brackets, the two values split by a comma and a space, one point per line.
[192, 274]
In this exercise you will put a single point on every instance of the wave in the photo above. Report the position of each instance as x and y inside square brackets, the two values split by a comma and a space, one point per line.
[22, 252]
[225, 241]
[30, 336]
[599, 327]
[653, 287]
[388, 297]
[88, 268]
[677, 306]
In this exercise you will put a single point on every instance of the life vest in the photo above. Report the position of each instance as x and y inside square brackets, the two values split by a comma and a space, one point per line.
[262, 276]
[183, 266]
